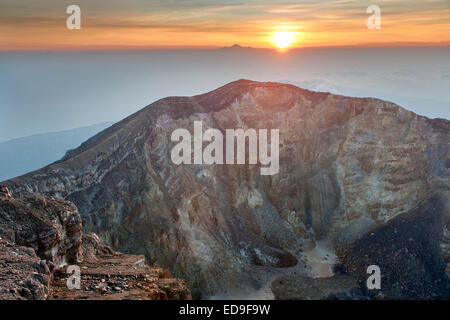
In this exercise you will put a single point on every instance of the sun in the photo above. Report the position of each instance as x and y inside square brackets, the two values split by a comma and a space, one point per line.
[283, 39]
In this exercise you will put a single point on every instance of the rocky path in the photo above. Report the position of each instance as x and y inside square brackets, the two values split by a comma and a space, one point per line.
[117, 276]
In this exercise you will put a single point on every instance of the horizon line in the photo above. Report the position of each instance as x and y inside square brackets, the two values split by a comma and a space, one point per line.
[148, 48]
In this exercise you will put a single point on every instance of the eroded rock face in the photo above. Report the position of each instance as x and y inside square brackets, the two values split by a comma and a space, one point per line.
[37, 235]
[347, 165]
[52, 228]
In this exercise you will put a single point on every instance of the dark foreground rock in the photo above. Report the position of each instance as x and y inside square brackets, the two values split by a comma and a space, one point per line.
[408, 251]
[40, 237]
[23, 275]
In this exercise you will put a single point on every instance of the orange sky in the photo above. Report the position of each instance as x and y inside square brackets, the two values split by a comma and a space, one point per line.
[41, 24]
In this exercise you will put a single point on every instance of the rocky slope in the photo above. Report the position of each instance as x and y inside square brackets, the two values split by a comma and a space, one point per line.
[347, 166]
[409, 251]
[39, 237]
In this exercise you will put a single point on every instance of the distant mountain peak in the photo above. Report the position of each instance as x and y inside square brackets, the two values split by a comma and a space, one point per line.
[237, 46]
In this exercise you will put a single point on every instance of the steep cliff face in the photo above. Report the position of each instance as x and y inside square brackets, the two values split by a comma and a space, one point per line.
[347, 165]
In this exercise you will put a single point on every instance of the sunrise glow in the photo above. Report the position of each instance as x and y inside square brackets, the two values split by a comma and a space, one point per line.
[215, 24]
[283, 39]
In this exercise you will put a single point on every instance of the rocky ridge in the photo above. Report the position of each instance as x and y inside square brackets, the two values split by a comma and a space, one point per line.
[347, 166]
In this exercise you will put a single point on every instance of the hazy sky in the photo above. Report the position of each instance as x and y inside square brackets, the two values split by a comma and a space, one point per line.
[50, 91]
[41, 24]
[43, 90]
